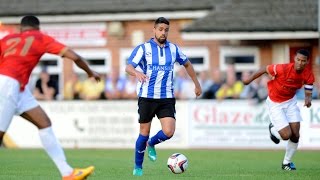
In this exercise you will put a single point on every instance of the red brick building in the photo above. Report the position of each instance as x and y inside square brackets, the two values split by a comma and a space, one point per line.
[211, 33]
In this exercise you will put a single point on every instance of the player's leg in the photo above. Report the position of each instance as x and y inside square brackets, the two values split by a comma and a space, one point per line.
[9, 93]
[168, 125]
[294, 118]
[292, 147]
[168, 128]
[6, 115]
[279, 128]
[166, 114]
[285, 133]
[31, 111]
[140, 148]
[146, 109]
[48, 139]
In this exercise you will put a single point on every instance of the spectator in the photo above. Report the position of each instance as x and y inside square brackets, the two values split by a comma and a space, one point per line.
[91, 90]
[232, 88]
[216, 83]
[72, 88]
[205, 81]
[130, 88]
[249, 91]
[262, 92]
[46, 88]
[184, 86]
[114, 85]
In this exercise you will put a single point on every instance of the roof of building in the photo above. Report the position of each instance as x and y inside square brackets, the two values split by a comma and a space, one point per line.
[223, 16]
[253, 15]
[45, 7]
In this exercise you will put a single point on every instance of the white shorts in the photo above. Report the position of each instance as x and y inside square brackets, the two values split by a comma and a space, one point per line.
[281, 114]
[13, 101]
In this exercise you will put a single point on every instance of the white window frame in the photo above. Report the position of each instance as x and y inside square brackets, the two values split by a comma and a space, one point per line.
[239, 51]
[93, 54]
[51, 69]
[197, 52]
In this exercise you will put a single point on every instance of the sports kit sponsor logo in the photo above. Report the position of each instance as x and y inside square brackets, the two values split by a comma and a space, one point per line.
[160, 67]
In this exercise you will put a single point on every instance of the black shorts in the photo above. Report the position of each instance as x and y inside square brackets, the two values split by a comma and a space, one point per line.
[148, 108]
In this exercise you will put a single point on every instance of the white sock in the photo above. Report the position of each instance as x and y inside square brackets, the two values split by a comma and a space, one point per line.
[54, 150]
[290, 150]
[276, 133]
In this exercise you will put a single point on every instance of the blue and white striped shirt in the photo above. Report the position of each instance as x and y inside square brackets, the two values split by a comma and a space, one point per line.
[157, 63]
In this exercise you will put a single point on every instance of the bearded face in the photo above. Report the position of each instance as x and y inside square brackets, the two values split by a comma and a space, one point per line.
[161, 32]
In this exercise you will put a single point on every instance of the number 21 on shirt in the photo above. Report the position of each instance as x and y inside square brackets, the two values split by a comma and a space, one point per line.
[14, 42]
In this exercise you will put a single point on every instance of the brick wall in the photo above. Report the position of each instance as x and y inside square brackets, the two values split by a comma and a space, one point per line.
[124, 40]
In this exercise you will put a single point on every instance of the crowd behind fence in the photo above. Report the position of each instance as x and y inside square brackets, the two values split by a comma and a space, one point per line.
[216, 84]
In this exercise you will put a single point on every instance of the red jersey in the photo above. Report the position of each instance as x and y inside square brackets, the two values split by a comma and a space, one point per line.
[20, 53]
[287, 81]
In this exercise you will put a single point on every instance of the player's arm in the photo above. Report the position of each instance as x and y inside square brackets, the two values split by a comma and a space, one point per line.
[255, 75]
[308, 89]
[133, 72]
[308, 95]
[55, 47]
[193, 76]
[135, 58]
[81, 63]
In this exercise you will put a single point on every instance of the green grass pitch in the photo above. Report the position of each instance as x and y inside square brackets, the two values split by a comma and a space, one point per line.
[34, 164]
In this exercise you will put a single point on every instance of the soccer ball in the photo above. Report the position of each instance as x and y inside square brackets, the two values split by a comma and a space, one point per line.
[177, 163]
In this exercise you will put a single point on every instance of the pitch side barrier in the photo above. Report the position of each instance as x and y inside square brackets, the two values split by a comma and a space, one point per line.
[229, 124]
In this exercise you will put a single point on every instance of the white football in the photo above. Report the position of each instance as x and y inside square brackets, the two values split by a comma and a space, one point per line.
[177, 163]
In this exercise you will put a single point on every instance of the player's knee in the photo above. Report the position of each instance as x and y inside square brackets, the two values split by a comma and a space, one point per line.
[286, 135]
[169, 133]
[144, 132]
[295, 138]
[285, 138]
[44, 125]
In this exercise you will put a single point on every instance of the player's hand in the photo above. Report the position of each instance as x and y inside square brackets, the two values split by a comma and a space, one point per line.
[198, 91]
[246, 81]
[307, 103]
[96, 76]
[141, 77]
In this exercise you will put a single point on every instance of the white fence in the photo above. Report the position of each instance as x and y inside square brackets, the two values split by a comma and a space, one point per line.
[200, 124]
